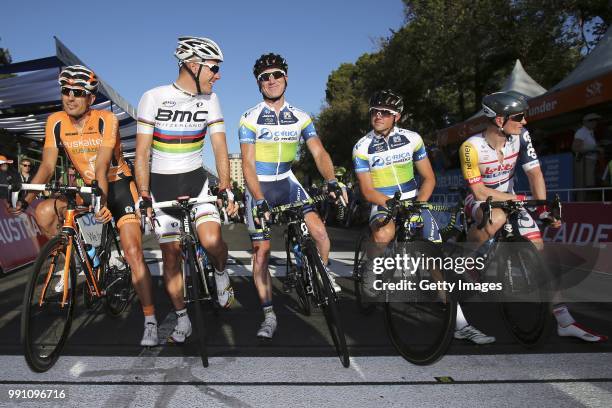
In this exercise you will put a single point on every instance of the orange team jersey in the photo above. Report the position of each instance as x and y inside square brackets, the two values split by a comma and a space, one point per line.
[101, 129]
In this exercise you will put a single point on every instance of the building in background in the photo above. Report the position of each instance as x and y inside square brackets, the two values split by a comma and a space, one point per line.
[235, 161]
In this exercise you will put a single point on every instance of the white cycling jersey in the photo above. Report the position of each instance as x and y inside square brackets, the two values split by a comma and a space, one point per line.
[178, 121]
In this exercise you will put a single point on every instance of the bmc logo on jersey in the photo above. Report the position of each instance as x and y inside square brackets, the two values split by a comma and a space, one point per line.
[168, 115]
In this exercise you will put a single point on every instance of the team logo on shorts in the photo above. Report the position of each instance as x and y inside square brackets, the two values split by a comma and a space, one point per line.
[128, 209]
[174, 224]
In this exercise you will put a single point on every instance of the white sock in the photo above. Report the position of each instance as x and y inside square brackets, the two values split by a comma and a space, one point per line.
[219, 272]
[461, 321]
[563, 316]
[269, 311]
[150, 319]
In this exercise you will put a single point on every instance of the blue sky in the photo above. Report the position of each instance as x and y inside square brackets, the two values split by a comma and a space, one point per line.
[130, 44]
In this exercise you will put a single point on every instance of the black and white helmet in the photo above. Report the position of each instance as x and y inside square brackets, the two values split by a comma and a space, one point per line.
[387, 99]
[504, 104]
[78, 76]
[267, 61]
[198, 49]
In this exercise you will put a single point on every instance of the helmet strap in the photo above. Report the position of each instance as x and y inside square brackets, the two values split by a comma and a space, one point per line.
[196, 77]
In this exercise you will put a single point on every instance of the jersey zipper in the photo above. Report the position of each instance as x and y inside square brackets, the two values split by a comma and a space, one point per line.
[397, 183]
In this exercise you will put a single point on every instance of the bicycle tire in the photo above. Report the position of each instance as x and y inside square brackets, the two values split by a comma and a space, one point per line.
[42, 355]
[527, 321]
[300, 284]
[421, 331]
[117, 282]
[359, 261]
[326, 296]
[197, 302]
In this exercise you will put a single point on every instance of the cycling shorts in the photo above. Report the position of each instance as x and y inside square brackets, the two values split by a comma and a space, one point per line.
[167, 187]
[524, 222]
[122, 196]
[278, 192]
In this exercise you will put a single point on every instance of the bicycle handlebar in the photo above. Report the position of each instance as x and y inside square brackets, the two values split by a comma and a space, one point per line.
[94, 190]
[512, 205]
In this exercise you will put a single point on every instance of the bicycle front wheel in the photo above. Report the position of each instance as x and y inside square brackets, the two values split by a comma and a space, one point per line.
[359, 265]
[295, 276]
[197, 301]
[525, 279]
[116, 275]
[420, 323]
[326, 298]
[46, 318]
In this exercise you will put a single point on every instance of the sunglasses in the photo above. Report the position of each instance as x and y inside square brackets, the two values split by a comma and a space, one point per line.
[77, 93]
[26, 165]
[214, 68]
[385, 113]
[266, 76]
[518, 117]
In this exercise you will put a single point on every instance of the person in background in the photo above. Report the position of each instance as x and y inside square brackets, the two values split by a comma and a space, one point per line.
[586, 153]
[7, 175]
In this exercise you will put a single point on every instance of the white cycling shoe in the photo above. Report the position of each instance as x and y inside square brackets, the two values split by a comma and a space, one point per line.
[225, 292]
[149, 338]
[181, 332]
[474, 335]
[268, 327]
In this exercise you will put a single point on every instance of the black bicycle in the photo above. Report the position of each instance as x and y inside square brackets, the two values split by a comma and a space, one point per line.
[525, 278]
[307, 272]
[50, 295]
[420, 320]
[198, 273]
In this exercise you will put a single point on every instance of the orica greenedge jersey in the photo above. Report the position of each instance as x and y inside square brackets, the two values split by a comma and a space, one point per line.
[276, 137]
[390, 160]
[178, 121]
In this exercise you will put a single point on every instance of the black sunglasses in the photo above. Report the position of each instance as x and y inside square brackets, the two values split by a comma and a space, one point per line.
[518, 117]
[26, 165]
[77, 93]
[267, 75]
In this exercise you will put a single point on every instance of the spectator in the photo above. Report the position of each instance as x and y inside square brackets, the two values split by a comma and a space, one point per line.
[25, 173]
[7, 176]
[73, 178]
[586, 152]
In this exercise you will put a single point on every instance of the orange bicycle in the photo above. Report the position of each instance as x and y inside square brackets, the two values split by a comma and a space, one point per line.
[50, 295]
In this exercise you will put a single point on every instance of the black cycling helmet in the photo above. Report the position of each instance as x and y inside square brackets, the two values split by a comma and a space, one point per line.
[267, 61]
[504, 104]
[387, 99]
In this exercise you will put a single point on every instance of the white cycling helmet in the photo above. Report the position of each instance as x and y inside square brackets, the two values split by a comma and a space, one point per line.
[201, 48]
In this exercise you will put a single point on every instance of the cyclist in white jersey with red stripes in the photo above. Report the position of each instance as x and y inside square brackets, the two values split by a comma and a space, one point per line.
[488, 163]
[172, 123]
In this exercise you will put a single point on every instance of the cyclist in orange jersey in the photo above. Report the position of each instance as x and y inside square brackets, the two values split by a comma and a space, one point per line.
[90, 139]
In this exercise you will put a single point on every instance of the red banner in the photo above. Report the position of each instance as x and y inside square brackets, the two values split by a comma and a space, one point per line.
[20, 237]
[583, 224]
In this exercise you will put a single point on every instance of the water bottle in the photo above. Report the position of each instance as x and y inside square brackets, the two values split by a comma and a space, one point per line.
[298, 255]
[91, 254]
[201, 255]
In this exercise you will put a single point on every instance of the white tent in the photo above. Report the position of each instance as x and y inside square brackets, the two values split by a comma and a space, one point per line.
[519, 81]
[598, 62]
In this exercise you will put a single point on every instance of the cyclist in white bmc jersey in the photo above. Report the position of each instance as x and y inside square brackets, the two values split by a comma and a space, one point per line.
[488, 163]
[385, 160]
[270, 134]
[172, 123]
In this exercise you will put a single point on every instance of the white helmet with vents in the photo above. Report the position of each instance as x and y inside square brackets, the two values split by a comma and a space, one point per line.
[197, 48]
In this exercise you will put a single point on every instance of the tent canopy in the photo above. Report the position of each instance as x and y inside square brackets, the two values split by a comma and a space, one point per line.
[32, 94]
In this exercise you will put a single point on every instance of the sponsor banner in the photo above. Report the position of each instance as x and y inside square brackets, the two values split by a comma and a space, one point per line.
[20, 237]
[557, 170]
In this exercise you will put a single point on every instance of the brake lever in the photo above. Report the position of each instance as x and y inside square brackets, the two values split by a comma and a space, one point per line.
[486, 213]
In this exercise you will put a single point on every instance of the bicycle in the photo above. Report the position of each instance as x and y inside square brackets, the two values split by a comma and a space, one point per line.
[196, 266]
[419, 323]
[309, 275]
[53, 282]
[525, 278]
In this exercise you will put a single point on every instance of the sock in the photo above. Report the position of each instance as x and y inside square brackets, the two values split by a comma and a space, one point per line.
[461, 321]
[268, 310]
[563, 316]
[219, 272]
[150, 319]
